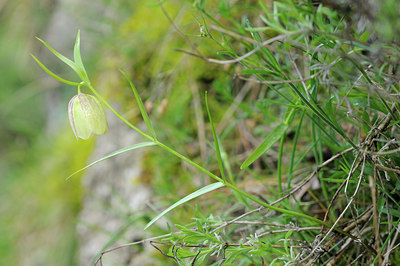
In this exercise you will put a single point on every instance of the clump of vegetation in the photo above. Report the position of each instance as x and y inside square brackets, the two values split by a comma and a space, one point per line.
[302, 119]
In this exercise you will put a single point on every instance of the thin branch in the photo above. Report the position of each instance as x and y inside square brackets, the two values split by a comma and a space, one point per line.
[166, 255]
[269, 41]
[130, 244]
[273, 82]
[397, 171]
[341, 215]
[338, 191]
[236, 219]
[372, 185]
[294, 190]
[233, 34]
[246, 55]
[183, 36]
[307, 179]
[296, 229]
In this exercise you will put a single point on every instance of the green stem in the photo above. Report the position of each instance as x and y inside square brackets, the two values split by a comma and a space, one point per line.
[296, 136]
[321, 159]
[280, 165]
[182, 157]
[118, 115]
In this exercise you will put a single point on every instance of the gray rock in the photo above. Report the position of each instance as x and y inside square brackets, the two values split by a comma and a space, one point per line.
[114, 194]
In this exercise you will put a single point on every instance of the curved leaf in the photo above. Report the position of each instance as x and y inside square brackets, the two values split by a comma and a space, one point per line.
[141, 106]
[67, 61]
[54, 75]
[195, 194]
[129, 148]
[270, 140]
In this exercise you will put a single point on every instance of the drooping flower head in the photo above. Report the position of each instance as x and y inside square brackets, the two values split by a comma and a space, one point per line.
[86, 116]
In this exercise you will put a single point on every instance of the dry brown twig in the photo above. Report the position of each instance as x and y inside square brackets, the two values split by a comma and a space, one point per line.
[360, 177]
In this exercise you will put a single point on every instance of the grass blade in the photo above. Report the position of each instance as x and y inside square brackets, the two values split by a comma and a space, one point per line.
[270, 140]
[141, 106]
[129, 148]
[216, 143]
[189, 197]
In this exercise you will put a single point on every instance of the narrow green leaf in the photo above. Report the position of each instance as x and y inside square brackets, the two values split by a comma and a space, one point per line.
[78, 58]
[296, 137]
[254, 33]
[141, 106]
[286, 241]
[129, 148]
[321, 114]
[393, 123]
[216, 143]
[205, 26]
[256, 29]
[270, 140]
[265, 101]
[289, 234]
[71, 64]
[361, 69]
[387, 239]
[54, 75]
[280, 165]
[257, 71]
[193, 195]
[225, 160]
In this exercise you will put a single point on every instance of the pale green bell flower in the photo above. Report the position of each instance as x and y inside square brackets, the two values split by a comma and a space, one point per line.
[86, 116]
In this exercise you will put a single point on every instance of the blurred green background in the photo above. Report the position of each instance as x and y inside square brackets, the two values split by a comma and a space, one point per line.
[39, 209]
[38, 150]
